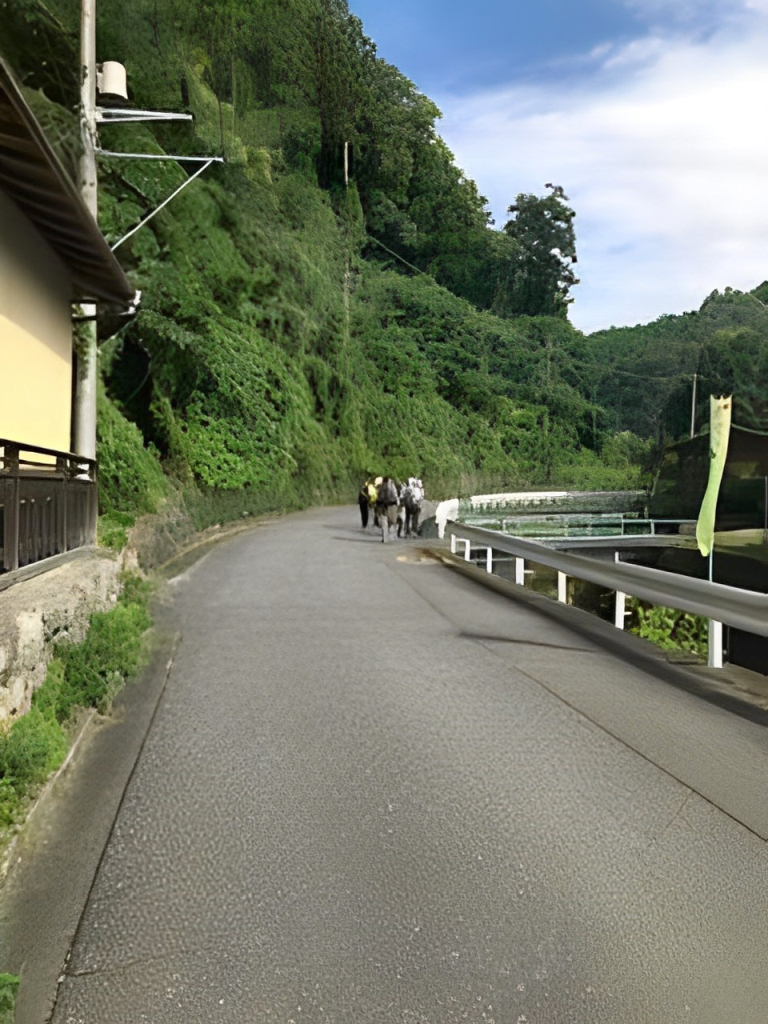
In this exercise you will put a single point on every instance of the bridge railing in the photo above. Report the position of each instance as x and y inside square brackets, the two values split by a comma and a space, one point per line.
[742, 609]
[48, 503]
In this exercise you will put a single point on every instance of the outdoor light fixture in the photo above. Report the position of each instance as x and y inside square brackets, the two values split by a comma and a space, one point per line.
[111, 80]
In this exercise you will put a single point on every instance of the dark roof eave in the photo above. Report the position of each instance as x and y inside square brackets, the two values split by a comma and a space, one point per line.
[33, 177]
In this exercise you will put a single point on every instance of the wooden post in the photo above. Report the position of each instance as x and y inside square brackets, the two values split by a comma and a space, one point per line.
[11, 524]
[11, 502]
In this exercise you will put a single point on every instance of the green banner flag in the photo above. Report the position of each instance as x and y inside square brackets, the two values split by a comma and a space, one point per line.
[719, 431]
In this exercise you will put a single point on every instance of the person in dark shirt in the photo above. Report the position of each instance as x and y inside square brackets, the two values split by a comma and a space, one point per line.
[363, 501]
[386, 506]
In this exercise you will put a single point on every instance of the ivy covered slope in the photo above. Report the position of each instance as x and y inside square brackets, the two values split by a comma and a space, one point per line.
[296, 332]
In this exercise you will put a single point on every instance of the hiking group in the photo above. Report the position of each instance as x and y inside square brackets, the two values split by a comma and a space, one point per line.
[390, 503]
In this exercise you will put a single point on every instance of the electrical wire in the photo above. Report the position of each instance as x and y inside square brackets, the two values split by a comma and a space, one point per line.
[749, 430]
[391, 253]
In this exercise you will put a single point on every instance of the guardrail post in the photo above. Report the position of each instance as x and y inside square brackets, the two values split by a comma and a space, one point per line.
[620, 608]
[489, 560]
[520, 571]
[562, 587]
[715, 652]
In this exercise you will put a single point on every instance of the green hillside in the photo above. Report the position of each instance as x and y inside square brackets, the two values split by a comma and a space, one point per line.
[643, 376]
[298, 331]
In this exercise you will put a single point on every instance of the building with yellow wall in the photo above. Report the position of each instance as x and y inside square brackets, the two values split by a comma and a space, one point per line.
[52, 255]
[35, 336]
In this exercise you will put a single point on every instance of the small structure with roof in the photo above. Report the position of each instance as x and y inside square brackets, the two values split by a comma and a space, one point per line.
[52, 255]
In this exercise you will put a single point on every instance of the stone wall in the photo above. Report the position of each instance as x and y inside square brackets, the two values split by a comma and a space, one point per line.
[37, 612]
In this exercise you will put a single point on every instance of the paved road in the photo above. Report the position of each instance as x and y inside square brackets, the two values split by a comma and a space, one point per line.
[376, 792]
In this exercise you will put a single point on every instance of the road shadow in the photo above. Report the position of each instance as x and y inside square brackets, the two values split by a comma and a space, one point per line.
[359, 540]
[491, 638]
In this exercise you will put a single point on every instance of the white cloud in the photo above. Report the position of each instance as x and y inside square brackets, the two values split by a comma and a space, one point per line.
[664, 155]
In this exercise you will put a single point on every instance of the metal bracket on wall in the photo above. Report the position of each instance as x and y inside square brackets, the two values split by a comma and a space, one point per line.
[125, 114]
[205, 160]
[122, 115]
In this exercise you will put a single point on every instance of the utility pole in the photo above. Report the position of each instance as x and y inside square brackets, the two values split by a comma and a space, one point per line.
[86, 375]
[693, 405]
[86, 366]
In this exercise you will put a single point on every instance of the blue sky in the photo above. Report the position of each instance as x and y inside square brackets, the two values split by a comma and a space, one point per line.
[462, 46]
[651, 114]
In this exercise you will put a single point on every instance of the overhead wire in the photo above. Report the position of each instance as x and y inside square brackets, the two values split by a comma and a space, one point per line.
[392, 253]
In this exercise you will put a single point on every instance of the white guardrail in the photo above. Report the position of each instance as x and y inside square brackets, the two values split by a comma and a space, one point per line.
[743, 609]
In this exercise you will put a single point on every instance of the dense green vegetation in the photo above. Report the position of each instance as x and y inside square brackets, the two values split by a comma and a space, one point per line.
[9, 986]
[333, 300]
[669, 629]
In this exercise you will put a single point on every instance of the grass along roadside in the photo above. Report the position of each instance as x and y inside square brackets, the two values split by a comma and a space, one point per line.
[9, 985]
[670, 629]
[79, 677]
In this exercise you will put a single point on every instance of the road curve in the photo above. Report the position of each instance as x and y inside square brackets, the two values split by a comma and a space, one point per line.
[376, 793]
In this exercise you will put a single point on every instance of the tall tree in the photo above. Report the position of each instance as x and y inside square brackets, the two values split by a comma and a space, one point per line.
[342, 55]
[540, 271]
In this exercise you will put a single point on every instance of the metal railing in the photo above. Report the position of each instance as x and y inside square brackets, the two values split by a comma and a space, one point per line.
[569, 526]
[48, 503]
[742, 609]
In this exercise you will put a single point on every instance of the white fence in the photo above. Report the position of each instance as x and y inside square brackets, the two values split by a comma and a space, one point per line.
[743, 609]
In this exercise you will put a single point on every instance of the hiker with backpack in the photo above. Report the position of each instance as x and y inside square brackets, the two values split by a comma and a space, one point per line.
[363, 503]
[386, 506]
[373, 489]
[411, 497]
[366, 500]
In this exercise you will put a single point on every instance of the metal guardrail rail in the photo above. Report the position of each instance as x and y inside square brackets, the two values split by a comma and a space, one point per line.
[742, 609]
[618, 541]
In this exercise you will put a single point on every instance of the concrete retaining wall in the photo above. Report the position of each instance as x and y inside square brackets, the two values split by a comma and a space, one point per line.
[51, 607]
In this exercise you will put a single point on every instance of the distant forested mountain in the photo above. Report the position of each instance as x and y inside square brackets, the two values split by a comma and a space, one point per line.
[644, 376]
[332, 300]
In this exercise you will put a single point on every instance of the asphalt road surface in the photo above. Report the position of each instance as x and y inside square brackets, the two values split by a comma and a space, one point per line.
[374, 792]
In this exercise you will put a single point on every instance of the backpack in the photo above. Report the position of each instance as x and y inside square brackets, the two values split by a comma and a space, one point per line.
[387, 493]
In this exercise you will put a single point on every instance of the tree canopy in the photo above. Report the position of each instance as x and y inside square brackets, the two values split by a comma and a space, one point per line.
[540, 271]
